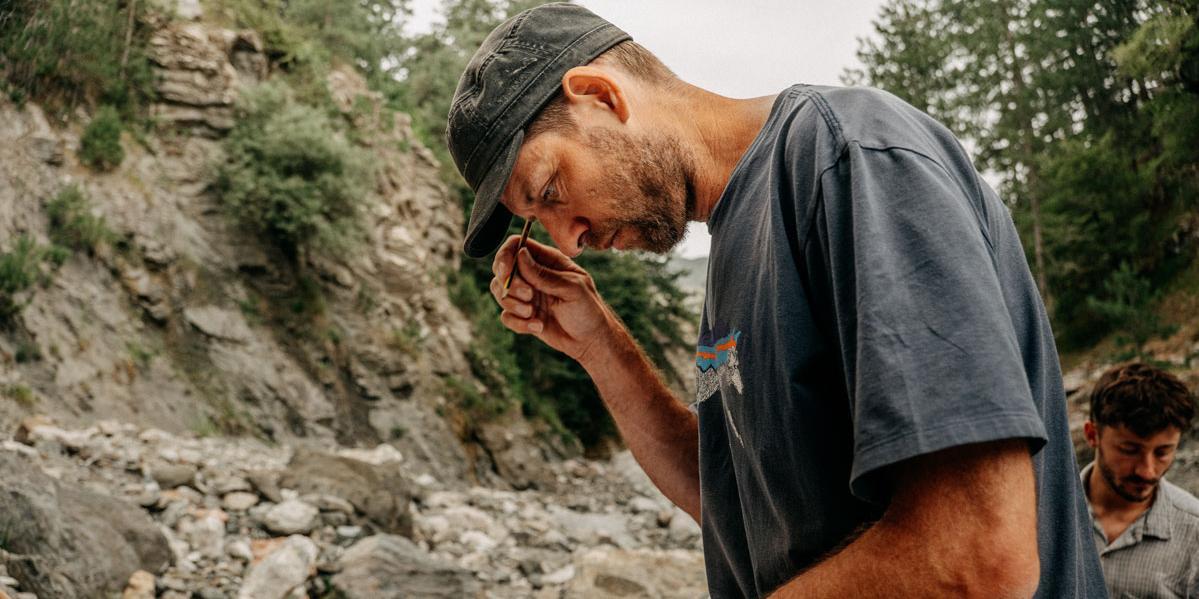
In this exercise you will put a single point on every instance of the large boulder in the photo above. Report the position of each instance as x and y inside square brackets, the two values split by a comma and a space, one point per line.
[283, 570]
[392, 566]
[378, 491]
[68, 542]
[610, 572]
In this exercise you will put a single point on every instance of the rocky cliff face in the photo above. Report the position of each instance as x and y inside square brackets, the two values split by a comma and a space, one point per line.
[186, 322]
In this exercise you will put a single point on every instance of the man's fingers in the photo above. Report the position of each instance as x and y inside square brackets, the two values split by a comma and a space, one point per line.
[531, 326]
[517, 307]
[549, 255]
[502, 264]
[546, 280]
[519, 290]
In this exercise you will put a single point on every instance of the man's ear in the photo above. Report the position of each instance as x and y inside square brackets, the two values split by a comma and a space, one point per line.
[593, 87]
[1091, 431]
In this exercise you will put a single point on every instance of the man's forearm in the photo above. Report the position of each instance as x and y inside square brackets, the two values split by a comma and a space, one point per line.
[659, 430]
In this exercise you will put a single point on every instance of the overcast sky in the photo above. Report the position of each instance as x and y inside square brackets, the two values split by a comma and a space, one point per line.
[740, 49]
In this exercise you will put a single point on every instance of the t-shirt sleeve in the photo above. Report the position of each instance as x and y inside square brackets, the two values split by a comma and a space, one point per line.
[930, 354]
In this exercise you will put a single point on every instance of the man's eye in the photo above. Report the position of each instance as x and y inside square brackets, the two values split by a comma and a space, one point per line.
[550, 194]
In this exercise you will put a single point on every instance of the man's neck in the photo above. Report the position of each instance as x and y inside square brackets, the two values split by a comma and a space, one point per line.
[719, 130]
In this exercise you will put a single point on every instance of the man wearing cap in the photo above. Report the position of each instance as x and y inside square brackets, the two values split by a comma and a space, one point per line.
[879, 409]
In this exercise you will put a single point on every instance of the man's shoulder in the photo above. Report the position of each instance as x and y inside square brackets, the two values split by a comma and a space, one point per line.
[1185, 504]
[875, 118]
[825, 119]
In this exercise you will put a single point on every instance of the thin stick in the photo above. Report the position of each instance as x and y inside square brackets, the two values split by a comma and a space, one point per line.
[524, 236]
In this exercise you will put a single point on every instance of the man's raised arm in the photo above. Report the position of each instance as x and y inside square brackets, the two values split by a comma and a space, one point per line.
[556, 301]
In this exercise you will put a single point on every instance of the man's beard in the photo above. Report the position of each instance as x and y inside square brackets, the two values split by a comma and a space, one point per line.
[1116, 485]
[652, 177]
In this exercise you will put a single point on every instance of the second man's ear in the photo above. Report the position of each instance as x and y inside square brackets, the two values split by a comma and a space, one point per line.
[593, 88]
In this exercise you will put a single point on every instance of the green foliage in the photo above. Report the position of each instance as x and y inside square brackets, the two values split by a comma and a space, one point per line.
[64, 53]
[21, 394]
[140, 354]
[100, 146]
[290, 174]
[1126, 304]
[72, 224]
[1093, 131]
[204, 426]
[305, 37]
[428, 73]
[475, 404]
[408, 339]
[21, 267]
[27, 351]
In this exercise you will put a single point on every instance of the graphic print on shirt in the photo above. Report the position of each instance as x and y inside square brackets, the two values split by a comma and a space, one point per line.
[717, 365]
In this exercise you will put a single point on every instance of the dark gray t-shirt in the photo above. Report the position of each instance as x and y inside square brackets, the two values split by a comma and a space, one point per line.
[868, 301]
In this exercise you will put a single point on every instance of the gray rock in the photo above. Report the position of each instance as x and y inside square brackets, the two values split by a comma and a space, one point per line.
[69, 542]
[205, 535]
[608, 572]
[48, 149]
[141, 586]
[516, 450]
[642, 505]
[392, 566]
[169, 476]
[349, 532]
[291, 517]
[682, 528]
[239, 501]
[379, 491]
[281, 571]
[593, 528]
[219, 323]
[266, 482]
[329, 503]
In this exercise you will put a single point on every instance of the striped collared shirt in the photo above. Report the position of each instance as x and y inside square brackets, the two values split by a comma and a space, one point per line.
[1157, 557]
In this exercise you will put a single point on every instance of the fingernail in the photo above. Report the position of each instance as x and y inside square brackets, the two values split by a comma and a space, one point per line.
[535, 327]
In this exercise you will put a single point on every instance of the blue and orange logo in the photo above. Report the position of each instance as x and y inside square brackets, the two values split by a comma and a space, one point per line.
[715, 356]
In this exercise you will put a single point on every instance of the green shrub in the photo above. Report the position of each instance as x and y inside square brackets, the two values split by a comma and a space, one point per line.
[100, 147]
[64, 53]
[72, 223]
[21, 394]
[290, 175]
[1127, 306]
[20, 269]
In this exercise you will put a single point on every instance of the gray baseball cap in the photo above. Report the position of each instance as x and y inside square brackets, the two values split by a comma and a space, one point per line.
[515, 72]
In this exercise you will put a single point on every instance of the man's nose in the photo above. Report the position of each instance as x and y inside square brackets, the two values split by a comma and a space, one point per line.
[1147, 467]
[566, 232]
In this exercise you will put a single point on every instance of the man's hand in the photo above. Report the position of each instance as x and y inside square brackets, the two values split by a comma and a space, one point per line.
[554, 299]
[550, 297]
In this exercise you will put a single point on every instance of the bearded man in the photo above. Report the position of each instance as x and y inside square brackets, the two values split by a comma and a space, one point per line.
[880, 410]
[1146, 529]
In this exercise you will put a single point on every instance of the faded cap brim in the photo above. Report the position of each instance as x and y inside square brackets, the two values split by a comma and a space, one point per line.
[489, 219]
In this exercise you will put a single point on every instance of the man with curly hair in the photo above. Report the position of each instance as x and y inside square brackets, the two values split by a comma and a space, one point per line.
[1146, 529]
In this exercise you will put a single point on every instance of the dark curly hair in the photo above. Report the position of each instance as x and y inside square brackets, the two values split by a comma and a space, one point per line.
[1142, 398]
